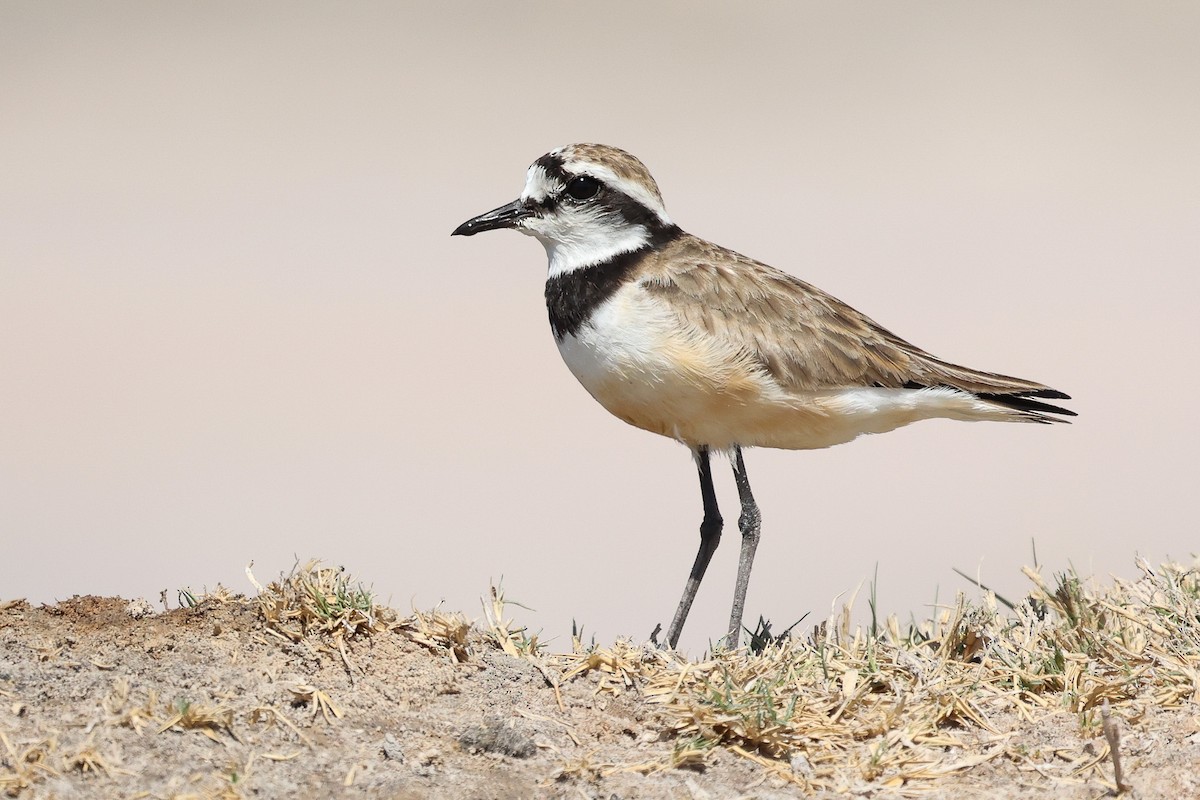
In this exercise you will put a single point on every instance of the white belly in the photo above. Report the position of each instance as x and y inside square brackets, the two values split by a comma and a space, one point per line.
[621, 357]
[638, 362]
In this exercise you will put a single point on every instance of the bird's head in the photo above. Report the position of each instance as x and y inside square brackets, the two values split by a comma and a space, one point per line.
[586, 203]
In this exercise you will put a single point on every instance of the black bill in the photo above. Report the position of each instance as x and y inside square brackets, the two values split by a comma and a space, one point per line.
[506, 216]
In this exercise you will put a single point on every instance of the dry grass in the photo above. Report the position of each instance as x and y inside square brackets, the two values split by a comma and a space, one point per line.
[23, 768]
[325, 604]
[314, 606]
[438, 631]
[902, 708]
[186, 715]
[843, 708]
[846, 708]
[315, 600]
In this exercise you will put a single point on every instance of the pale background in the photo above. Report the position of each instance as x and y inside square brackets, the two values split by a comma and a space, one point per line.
[233, 325]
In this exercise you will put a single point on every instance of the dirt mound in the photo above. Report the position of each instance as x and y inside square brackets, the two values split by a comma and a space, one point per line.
[310, 690]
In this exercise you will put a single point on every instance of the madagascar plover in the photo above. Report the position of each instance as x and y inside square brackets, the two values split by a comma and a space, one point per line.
[687, 339]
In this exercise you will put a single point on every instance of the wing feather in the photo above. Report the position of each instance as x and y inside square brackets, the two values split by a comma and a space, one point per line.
[806, 339]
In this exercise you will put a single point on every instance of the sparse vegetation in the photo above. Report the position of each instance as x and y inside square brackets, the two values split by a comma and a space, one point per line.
[921, 699]
[315, 599]
[832, 709]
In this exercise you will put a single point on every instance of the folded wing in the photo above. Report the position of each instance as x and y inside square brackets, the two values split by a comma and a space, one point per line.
[808, 340]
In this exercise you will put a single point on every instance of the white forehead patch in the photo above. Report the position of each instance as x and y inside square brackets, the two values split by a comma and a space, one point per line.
[539, 185]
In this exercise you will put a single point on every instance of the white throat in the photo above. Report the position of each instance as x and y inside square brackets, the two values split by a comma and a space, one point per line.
[576, 252]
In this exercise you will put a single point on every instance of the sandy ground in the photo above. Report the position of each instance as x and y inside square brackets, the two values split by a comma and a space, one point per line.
[102, 700]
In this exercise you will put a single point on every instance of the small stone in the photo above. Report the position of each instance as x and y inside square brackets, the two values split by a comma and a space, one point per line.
[494, 736]
[391, 749]
[139, 608]
[800, 765]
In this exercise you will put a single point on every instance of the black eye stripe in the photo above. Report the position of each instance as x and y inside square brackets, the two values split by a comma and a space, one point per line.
[631, 210]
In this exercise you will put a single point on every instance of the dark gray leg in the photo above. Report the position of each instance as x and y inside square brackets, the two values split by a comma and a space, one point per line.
[750, 524]
[710, 537]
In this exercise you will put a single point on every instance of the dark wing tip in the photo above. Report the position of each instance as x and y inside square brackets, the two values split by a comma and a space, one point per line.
[1023, 401]
[1049, 394]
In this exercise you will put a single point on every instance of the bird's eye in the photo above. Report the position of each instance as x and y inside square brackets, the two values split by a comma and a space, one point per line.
[583, 187]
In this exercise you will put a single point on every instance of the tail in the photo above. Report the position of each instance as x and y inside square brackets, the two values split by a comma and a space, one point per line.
[1016, 394]
[1031, 409]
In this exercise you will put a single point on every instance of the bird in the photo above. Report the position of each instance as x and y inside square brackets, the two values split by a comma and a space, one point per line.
[695, 342]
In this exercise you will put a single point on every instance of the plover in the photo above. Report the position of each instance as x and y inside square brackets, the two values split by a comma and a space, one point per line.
[690, 340]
